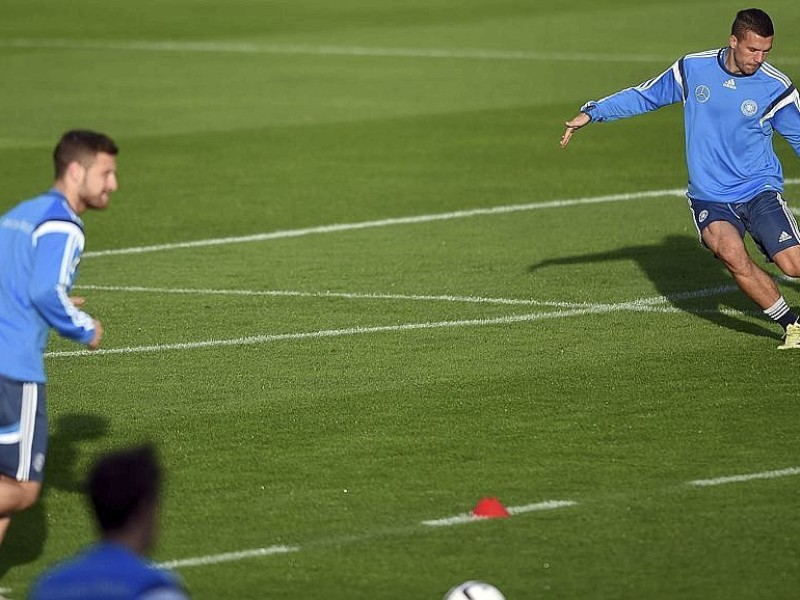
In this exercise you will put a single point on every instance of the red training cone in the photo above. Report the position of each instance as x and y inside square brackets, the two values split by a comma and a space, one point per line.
[490, 508]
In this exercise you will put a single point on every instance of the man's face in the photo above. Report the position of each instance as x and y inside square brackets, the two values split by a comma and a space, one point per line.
[749, 53]
[99, 180]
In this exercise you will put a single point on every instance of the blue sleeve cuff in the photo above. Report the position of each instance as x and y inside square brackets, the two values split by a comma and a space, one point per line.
[588, 109]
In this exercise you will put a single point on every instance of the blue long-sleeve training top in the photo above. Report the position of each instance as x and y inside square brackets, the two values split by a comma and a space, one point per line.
[41, 241]
[729, 122]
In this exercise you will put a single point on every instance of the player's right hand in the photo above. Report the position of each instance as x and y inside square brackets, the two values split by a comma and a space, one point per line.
[572, 126]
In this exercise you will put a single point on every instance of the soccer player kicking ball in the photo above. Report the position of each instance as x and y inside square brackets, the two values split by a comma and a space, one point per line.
[732, 102]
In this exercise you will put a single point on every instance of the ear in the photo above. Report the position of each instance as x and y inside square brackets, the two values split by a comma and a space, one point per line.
[733, 41]
[75, 171]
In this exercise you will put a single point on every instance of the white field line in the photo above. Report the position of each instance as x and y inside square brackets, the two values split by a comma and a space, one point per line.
[340, 295]
[455, 520]
[694, 294]
[213, 559]
[547, 505]
[412, 220]
[747, 477]
[690, 295]
[641, 305]
[348, 331]
[512, 510]
[228, 557]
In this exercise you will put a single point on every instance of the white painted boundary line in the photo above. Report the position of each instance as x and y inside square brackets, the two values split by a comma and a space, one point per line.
[336, 228]
[330, 333]
[342, 295]
[547, 505]
[642, 305]
[693, 294]
[412, 220]
[512, 510]
[459, 520]
[228, 557]
[747, 477]
[214, 559]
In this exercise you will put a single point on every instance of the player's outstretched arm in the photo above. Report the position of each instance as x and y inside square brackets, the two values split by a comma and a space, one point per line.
[572, 126]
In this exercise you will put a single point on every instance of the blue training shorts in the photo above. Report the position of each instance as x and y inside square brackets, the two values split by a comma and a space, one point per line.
[23, 429]
[766, 218]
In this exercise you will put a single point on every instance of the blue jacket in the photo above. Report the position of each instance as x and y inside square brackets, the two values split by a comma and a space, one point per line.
[41, 241]
[729, 121]
[107, 571]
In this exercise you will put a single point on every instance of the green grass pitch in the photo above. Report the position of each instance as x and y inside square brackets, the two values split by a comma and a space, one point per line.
[359, 353]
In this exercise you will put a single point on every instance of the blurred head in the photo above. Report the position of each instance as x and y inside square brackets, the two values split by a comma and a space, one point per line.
[86, 168]
[123, 488]
[751, 38]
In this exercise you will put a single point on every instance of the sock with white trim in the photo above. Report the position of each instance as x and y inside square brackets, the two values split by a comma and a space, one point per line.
[781, 313]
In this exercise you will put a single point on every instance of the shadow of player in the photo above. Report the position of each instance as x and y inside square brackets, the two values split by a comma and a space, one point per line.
[685, 275]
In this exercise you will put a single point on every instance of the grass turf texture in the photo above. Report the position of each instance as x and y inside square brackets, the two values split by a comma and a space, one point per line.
[615, 410]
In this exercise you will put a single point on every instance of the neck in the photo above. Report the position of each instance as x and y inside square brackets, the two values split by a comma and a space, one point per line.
[730, 64]
[131, 539]
[72, 198]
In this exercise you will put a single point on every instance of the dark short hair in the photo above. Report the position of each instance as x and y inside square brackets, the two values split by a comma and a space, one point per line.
[81, 145]
[752, 19]
[121, 483]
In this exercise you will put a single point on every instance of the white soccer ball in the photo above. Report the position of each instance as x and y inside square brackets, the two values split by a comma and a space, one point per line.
[474, 590]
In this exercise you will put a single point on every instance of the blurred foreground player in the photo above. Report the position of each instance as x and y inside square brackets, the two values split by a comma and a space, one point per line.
[123, 488]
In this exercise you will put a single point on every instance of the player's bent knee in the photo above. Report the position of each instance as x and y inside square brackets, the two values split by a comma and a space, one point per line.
[788, 261]
[793, 271]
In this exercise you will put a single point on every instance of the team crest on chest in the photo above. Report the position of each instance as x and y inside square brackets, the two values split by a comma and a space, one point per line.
[702, 93]
[749, 108]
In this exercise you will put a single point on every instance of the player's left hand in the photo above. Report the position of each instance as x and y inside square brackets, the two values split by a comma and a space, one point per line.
[77, 300]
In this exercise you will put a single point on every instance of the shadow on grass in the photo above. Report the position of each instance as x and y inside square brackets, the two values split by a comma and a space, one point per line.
[27, 534]
[686, 275]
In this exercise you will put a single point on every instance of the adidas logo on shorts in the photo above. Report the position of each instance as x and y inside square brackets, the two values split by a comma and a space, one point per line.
[785, 237]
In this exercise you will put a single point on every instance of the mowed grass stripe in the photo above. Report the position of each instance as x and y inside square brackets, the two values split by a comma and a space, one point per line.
[328, 50]
[335, 50]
